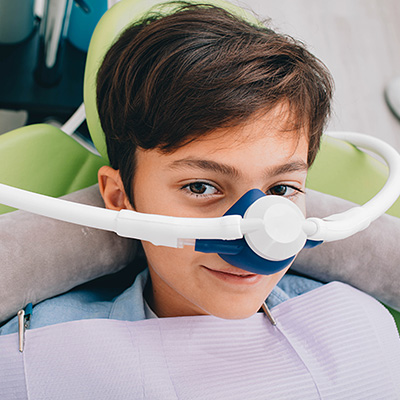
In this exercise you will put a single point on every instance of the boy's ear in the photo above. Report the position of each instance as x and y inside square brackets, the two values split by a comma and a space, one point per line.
[112, 189]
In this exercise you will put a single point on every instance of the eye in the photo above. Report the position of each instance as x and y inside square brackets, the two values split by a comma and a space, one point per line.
[200, 189]
[284, 190]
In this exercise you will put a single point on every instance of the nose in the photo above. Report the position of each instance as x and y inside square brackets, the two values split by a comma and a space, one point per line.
[268, 248]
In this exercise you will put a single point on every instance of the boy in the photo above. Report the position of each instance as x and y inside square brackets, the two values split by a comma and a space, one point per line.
[198, 107]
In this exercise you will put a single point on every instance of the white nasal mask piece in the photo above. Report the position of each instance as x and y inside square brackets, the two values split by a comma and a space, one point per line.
[259, 233]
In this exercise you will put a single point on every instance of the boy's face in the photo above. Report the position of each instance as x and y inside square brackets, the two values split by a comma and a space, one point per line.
[204, 179]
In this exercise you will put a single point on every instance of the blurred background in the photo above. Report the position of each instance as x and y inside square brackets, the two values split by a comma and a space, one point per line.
[358, 40]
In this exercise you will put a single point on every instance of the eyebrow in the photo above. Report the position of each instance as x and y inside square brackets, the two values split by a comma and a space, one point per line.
[232, 172]
[293, 166]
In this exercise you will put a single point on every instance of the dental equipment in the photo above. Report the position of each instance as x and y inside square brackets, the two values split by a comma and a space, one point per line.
[259, 233]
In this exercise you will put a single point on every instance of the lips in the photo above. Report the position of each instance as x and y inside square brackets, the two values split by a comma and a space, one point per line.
[236, 272]
[234, 275]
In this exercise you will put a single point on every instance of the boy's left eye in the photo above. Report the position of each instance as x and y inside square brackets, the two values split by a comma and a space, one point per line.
[200, 189]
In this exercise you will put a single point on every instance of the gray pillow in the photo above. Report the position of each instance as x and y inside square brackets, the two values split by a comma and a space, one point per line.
[38, 262]
[41, 257]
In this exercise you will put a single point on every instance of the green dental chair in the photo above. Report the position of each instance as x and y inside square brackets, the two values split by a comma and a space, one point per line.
[43, 159]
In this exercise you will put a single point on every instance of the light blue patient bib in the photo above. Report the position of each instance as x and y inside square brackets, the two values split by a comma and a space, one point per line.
[331, 343]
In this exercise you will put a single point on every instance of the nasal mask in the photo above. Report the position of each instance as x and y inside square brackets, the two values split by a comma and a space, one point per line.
[259, 233]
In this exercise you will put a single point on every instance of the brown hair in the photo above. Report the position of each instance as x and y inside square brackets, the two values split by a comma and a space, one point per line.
[169, 79]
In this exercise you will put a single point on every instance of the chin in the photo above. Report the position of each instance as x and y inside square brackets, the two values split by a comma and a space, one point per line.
[235, 312]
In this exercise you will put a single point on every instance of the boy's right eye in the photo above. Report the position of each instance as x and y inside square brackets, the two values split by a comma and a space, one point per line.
[200, 189]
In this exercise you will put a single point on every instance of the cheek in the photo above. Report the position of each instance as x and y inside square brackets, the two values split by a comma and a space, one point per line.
[173, 266]
[301, 203]
[161, 257]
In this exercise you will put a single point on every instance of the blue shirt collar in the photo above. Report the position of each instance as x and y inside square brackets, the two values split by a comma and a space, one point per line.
[129, 305]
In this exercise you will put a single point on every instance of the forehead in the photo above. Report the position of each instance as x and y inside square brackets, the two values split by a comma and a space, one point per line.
[277, 126]
[280, 124]
[266, 140]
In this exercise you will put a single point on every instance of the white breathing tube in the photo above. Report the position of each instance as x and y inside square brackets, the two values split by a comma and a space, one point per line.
[160, 230]
[176, 231]
[343, 225]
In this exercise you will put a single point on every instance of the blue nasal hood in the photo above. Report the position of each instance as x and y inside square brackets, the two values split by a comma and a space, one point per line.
[237, 252]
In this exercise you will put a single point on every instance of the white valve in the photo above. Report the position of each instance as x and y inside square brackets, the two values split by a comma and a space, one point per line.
[281, 235]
